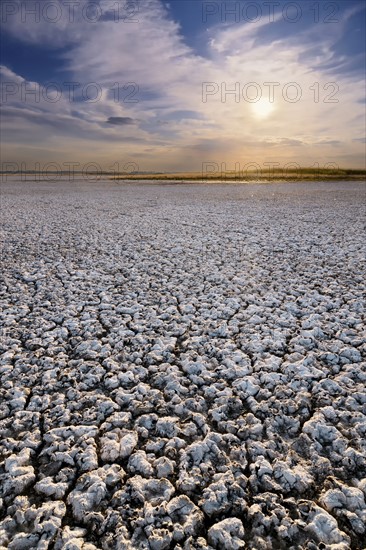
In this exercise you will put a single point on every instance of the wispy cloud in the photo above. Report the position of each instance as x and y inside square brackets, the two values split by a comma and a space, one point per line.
[120, 120]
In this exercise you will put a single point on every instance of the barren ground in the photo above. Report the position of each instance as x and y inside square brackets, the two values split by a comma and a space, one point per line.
[183, 366]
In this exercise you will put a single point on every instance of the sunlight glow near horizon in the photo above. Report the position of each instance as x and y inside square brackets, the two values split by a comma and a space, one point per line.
[262, 109]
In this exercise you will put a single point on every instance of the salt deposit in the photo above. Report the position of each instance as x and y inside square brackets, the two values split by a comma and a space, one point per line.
[182, 366]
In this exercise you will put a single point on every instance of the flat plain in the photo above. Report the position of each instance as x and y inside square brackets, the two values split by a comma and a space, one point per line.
[182, 366]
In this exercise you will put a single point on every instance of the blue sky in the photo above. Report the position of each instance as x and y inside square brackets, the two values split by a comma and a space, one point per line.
[152, 83]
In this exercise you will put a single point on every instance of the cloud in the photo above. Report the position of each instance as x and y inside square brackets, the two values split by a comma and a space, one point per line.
[168, 75]
[289, 142]
[333, 142]
[120, 120]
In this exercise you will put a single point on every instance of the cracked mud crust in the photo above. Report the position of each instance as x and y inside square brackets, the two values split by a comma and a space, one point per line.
[182, 367]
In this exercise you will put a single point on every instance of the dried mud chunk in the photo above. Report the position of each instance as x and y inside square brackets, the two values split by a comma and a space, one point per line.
[154, 491]
[186, 516]
[228, 534]
[117, 444]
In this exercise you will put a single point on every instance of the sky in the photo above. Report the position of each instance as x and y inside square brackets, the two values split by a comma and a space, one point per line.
[184, 85]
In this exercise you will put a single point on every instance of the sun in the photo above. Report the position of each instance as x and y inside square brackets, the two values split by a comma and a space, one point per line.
[262, 109]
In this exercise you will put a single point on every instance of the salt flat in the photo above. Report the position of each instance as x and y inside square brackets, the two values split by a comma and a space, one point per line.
[183, 366]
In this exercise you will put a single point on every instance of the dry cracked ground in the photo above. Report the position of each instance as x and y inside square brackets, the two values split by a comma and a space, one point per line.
[183, 366]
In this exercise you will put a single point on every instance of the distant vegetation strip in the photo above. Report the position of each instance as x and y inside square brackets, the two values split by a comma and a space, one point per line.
[275, 174]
